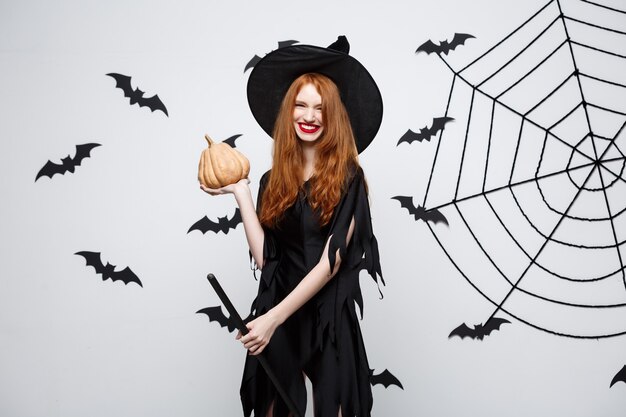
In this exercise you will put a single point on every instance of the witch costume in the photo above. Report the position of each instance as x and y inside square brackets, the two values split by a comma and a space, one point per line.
[322, 339]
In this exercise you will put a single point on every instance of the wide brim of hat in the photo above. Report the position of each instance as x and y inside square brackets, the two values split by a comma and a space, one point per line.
[273, 74]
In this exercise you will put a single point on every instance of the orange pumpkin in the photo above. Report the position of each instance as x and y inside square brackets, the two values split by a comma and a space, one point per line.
[221, 165]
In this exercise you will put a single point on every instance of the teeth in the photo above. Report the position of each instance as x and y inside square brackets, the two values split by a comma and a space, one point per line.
[308, 127]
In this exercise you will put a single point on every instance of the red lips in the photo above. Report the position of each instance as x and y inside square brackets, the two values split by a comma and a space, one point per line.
[307, 128]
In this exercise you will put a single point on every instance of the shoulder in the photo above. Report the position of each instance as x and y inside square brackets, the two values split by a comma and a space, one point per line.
[355, 175]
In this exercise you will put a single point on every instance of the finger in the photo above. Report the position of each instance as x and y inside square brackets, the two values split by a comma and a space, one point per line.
[238, 336]
[211, 191]
[258, 350]
[246, 338]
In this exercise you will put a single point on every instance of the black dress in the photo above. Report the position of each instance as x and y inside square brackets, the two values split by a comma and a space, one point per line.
[323, 338]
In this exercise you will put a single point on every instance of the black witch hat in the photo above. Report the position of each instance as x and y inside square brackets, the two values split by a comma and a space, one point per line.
[273, 74]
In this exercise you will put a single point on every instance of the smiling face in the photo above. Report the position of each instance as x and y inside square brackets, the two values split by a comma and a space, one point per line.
[307, 114]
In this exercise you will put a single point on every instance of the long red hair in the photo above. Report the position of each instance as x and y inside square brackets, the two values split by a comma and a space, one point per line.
[335, 155]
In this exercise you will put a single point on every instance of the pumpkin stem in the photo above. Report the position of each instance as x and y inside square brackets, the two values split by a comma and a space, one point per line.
[208, 139]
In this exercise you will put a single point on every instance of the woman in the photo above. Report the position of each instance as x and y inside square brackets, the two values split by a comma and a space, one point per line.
[312, 234]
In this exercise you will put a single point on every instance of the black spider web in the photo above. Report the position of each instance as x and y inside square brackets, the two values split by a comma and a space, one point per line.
[544, 222]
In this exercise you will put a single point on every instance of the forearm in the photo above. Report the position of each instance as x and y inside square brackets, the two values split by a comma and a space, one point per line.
[254, 232]
[310, 284]
[262, 328]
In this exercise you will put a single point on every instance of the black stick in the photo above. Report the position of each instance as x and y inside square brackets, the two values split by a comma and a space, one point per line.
[236, 318]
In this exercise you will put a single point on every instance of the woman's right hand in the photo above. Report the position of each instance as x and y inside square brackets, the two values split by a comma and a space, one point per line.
[227, 189]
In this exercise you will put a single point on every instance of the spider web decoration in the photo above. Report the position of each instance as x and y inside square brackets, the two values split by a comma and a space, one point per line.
[530, 175]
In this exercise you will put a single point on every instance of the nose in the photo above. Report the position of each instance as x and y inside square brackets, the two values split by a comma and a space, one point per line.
[309, 115]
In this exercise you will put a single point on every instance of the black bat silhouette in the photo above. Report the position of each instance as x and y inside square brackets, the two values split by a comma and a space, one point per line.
[216, 314]
[136, 95]
[223, 223]
[385, 378]
[619, 377]
[68, 163]
[231, 140]
[108, 270]
[479, 331]
[432, 215]
[444, 46]
[255, 59]
[425, 133]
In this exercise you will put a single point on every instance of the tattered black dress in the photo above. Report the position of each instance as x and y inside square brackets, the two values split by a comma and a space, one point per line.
[323, 338]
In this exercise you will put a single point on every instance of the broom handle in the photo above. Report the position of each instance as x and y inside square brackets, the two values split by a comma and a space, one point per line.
[236, 318]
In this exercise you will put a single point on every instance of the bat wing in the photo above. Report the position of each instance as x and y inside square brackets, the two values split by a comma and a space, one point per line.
[83, 151]
[435, 216]
[439, 123]
[216, 314]
[619, 377]
[407, 203]
[282, 44]
[419, 212]
[493, 324]
[459, 39]
[255, 59]
[204, 225]
[122, 82]
[92, 259]
[49, 169]
[385, 378]
[462, 331]
[235, 220]
[410, 137]
[153, 103]
[231, 140]
[429, 47]
[126, 275]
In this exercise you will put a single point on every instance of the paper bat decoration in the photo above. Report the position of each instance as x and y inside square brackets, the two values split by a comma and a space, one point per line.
[425, 133]
[136, 95]
[444, 46]
[255, 59]
[231, 140]
[420, 212]
[223, 224]
[68, 163]
[619, 377]
[108, 270]
[385, 378]
[216, 314]
[479, 331]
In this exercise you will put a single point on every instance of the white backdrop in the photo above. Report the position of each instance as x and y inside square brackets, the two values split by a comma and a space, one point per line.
[74, 345]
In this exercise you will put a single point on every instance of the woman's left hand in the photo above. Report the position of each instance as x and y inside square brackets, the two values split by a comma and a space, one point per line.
[260, 331]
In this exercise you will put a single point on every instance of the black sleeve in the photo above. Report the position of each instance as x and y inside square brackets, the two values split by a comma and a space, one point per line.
[362, 251]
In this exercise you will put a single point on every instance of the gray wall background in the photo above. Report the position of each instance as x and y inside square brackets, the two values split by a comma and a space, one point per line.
[73, 345]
